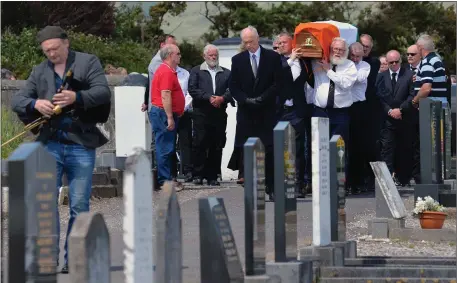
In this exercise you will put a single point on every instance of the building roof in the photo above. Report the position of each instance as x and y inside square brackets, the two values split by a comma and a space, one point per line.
[237, 41]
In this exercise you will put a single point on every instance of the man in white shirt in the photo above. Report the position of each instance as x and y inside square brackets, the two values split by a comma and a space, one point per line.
[292, 102]
[356, 147]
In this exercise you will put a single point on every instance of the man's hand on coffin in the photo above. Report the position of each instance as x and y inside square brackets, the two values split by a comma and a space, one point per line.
[295, 53]
[65, 98]
[45, 107]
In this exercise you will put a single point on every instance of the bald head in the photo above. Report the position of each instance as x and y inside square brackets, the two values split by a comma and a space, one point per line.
[413, 55]
[250, 38]
[394, 60]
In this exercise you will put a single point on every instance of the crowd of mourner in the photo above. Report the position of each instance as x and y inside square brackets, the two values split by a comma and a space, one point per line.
[372, 103]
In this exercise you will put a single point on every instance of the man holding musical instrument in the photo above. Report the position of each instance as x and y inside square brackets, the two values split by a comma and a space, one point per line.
[69, 89]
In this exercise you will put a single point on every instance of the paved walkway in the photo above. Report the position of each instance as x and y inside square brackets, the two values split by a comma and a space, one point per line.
[233, 196]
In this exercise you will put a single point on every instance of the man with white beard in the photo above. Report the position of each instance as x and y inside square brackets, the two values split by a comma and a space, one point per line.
[208, 86]
[333, 83]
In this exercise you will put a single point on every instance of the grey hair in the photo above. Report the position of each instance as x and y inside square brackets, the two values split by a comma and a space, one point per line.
[252, 29]
[426, 41]
[208, 47]
[285, 33]
[394, 51]
[356, 47]
[166, 51]
[335, 39]
[369, 37]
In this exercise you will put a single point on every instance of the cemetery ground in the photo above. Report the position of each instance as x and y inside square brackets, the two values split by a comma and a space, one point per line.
[359, 209]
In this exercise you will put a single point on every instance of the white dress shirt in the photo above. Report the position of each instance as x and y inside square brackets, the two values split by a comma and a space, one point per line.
[309, 94]
[296, 70]
[344, 78]
[183, 78]
[360, 86]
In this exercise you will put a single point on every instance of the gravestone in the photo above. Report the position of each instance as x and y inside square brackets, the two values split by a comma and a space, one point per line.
[337, 189]
[89, 246]
[219, 259]
[254, 206]
[138, 218]
[32, 216]
[320, 179]
[446, 129]
[168, 251]
[390, 209]
[285, 193]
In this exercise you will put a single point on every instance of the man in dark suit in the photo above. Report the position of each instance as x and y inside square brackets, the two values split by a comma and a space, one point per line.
[254, 83]
[395, 90]
[292, 104]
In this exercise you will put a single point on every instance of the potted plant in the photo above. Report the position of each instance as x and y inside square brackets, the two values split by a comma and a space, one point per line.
[430, 212]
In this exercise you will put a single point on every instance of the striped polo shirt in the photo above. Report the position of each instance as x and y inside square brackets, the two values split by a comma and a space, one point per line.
[432, 71]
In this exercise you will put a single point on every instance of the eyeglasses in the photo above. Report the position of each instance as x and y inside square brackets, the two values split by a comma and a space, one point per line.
[411, 54]
[394, 62]
[338, 50]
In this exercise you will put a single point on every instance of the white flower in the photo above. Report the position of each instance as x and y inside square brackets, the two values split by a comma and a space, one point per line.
[427, 204]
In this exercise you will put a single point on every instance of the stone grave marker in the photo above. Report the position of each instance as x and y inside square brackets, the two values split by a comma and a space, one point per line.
[285, 193]
[138, 218]
[254, 206]
[321, 181]
[219, 259]
[89, 246]
[337, 189]
[168, 251]
[446, 131]
[32, 215]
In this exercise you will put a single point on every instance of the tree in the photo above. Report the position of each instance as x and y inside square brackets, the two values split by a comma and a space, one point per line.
[386, 23]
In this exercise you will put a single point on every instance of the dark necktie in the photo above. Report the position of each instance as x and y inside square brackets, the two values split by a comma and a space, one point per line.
[331, 92]
[394, 80]
[413, 69]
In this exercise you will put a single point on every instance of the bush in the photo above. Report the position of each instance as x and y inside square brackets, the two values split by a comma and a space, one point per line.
[20, 52]
[11, 126]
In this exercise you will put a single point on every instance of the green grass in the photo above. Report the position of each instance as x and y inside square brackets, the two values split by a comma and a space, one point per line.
[11, 126]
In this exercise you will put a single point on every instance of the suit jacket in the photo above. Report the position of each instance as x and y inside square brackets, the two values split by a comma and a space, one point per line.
[370, 93]
[88, 79]
[255, 119]
[400, 96]
[201, 89]
[295, 90]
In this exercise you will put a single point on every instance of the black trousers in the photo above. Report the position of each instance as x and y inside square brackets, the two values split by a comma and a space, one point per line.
[208, 143]
[357, 147]
[184, 144]
[397, 147]
[375, 122]
[416, 166]
[298, 123]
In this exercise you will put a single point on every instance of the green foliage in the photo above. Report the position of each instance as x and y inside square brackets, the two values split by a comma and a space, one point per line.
[127, 20]
[191, 54]
[11, 126]
[21, 52]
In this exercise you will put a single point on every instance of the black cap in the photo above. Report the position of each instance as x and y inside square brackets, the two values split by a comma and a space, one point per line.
[51, 32]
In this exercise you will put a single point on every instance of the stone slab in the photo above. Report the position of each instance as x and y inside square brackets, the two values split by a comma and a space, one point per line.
[452, 183]
[398, 261]
[258, 279]
[376, 272]
[432, 235]
[290, 272]
[323, 256]
[351, 249]
[380, 225]
[387, 279]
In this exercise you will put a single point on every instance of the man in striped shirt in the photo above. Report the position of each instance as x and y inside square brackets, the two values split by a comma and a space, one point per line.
[431, 77]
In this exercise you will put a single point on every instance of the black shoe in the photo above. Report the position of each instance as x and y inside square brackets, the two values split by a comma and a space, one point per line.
[213, 183]
[188, 178]
[198, 181]
[308, 189]
[64, 269]
[397, 183]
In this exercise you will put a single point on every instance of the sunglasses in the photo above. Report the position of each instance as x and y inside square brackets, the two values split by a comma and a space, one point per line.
[411, 54]
[394, 62]
[275, 47]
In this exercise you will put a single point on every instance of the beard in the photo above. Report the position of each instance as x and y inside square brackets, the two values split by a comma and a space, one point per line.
[336, 61]
[212, 63]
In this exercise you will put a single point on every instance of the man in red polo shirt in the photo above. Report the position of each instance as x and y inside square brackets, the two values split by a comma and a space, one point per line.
[167, 106]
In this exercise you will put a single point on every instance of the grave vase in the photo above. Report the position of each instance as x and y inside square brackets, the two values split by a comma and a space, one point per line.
[432, 219]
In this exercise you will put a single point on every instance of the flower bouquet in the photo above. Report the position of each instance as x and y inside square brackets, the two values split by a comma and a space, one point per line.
[430, 212]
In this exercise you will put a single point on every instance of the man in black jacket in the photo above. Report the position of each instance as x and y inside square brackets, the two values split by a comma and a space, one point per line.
[208, 86]
[292, 104]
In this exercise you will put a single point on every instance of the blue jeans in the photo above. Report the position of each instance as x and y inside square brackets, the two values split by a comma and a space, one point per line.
[77, 162]
[165, 142]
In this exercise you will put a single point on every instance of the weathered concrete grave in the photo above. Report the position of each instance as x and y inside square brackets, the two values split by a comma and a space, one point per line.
[138, 218]
[89, 246]
[168, 245]
[32, 216]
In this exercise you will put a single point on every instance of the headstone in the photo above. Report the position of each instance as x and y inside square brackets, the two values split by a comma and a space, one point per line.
[446, 131]
[138, 218]
[219, 259]
[89, 246]
[254, 206]
[168, 251]
[321, 181]
[430, 137]
[32, 215]
[389, 204]
[285, 193]
[337, 189]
